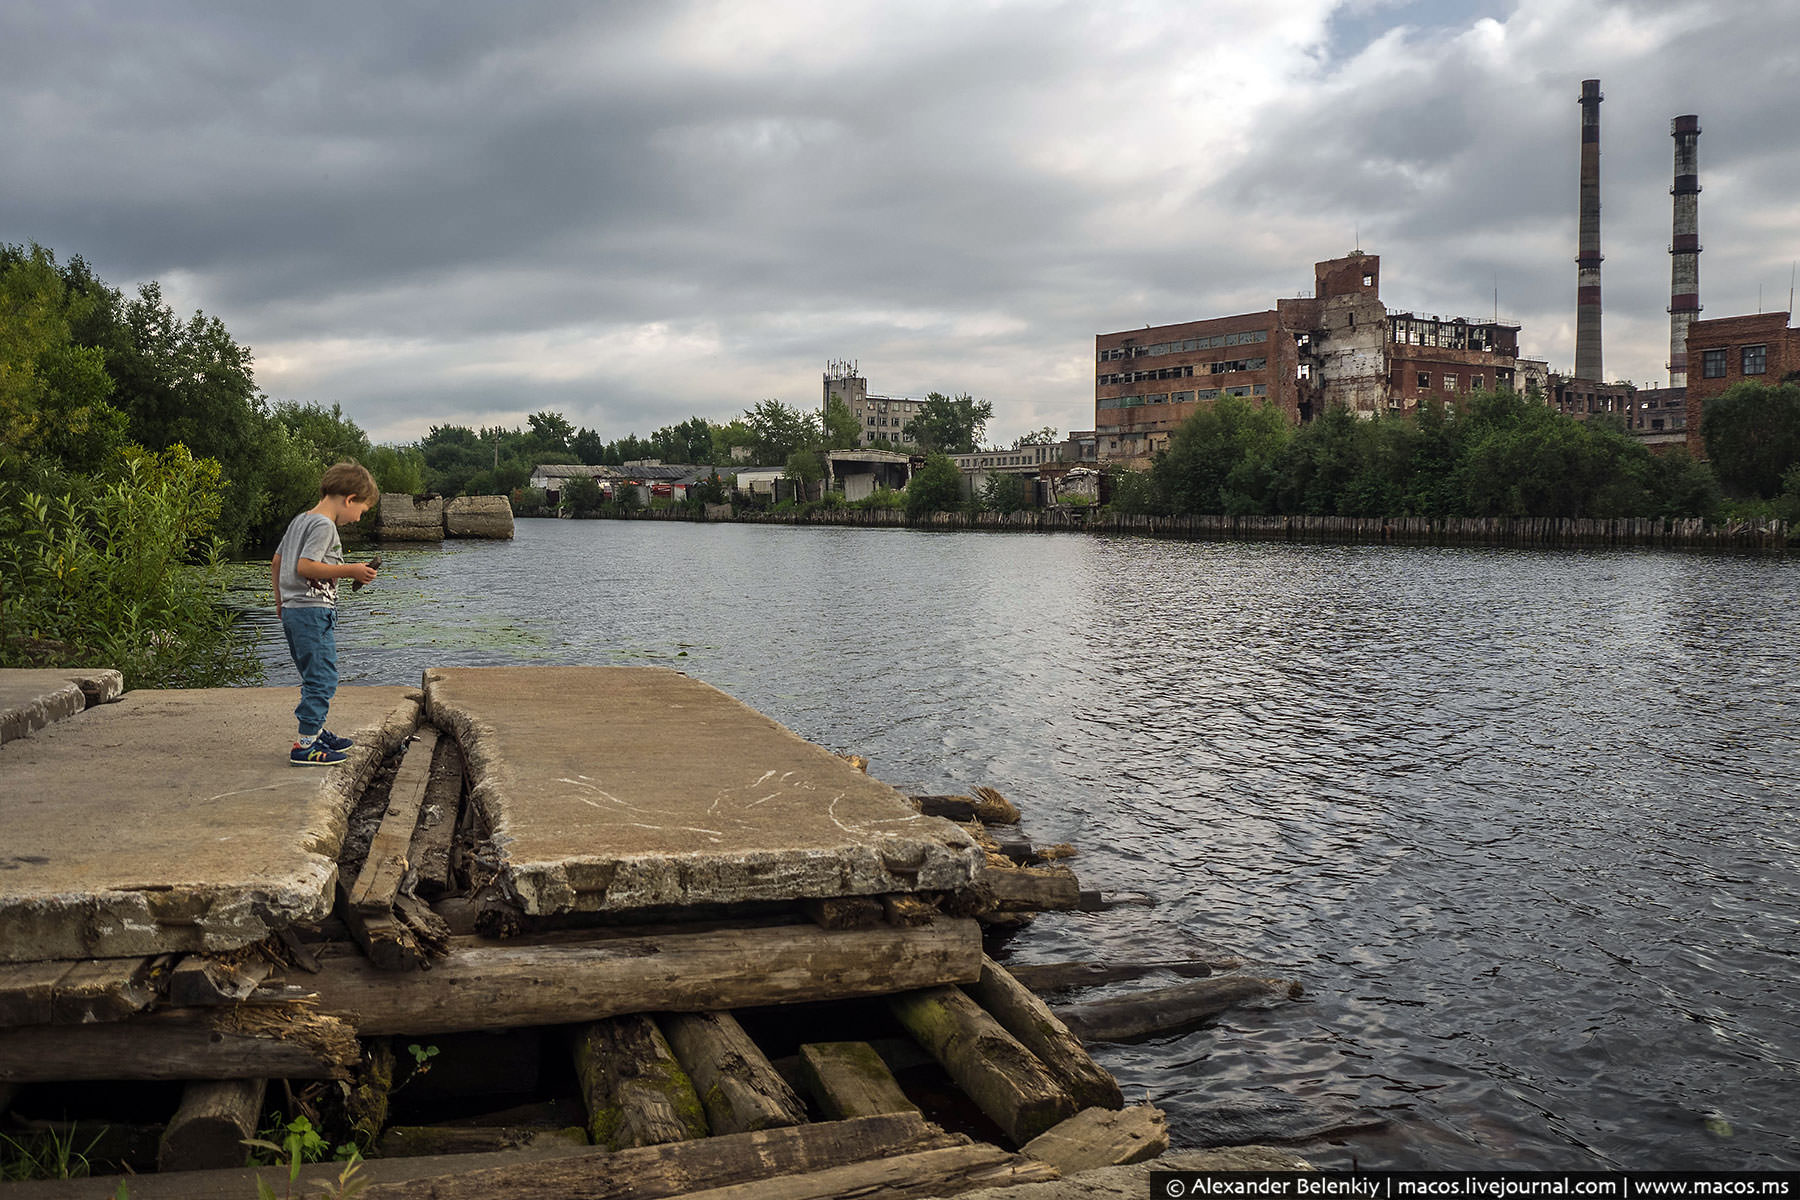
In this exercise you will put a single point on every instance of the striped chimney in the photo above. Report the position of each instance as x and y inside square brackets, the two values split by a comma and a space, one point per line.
[1684, 250]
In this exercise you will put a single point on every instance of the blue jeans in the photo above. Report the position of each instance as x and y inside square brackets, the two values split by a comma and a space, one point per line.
[312, 640]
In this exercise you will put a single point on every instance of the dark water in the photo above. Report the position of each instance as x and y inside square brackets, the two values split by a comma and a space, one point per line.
[1522, 823]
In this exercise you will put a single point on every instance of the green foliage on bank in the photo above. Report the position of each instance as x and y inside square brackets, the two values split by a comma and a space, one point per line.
[1492, 455]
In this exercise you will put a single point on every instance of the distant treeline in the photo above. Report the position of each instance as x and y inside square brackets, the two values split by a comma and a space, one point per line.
[1496, 454]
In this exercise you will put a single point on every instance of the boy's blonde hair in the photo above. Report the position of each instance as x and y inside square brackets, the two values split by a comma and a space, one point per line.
[350, 479]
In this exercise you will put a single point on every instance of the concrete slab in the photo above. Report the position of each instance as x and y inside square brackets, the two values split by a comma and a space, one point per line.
[171, 821]
[618, 788]
[30, 700]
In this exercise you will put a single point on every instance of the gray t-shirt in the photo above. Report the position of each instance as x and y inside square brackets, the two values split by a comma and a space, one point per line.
[315, 536]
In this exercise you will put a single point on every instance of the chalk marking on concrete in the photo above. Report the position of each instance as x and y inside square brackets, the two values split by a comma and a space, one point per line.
[269, 787]
[714, 834]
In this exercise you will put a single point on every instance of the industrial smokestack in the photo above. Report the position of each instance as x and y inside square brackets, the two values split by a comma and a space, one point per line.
[1587, 257]
[1684, 250]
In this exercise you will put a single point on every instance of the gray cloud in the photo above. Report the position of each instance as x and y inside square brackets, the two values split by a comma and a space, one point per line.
[639, 212]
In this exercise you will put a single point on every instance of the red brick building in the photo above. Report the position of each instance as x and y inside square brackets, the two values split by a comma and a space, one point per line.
[1731, 350]
[1339, 346]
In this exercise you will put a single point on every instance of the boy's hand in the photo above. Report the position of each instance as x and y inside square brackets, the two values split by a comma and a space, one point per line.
[360, 573]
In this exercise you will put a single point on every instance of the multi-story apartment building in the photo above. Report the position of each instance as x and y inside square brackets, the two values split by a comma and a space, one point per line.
[1340, 346]
[1730, 350]
[882, 419]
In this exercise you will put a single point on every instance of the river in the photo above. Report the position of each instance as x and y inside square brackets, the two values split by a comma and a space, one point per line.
[1522, 822]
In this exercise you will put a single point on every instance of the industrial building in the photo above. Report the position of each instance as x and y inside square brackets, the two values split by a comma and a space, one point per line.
[1340, 346]
[882, 419]
[1759, 349]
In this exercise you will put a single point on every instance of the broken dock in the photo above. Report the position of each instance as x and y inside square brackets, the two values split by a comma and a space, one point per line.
[742, 947]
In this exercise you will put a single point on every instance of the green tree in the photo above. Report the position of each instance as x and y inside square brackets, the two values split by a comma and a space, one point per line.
[690, 442]
[1223, 459]
[397, 468]
[804, 469]
[53, 391]
[329, 435]
[779, 431]
[842, 430]
[1005, 493]
[547, 433]
[582, 496]
[1037, 437]
[1752, 436]
[953, 426]
[730, 435]
[935, 487]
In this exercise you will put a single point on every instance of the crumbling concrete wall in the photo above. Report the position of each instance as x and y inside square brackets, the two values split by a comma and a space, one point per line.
[404, 518]
[478, 517]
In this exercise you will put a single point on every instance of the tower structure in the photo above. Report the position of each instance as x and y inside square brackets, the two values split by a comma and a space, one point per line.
[1587, 257]
[1684, 249]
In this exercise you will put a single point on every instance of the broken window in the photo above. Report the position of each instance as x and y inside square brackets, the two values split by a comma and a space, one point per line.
[1368, 279]
[1424, 381]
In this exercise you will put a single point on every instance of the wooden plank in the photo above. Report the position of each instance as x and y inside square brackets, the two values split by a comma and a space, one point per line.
[635, 1090]
[848, 1079]
[385, 867]
[1099, 1137]
[573, 978]
[428, 857]
[676, 1168]
[1001, 1076]
[1030, 1020]
[926, 1173]
[208, 1129]
[28, 991]
[1030, 889]
[103, 989]
[1057, 977]
[1168, 1010]
[907, 909]
[843, 912]
[249, 1042]
[739, 1088]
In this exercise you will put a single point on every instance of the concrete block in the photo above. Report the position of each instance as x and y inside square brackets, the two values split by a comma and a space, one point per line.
[404, 518]
[478, 517]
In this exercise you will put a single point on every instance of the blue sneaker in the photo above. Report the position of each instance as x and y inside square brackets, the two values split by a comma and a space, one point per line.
[332, 741]
[316, 755]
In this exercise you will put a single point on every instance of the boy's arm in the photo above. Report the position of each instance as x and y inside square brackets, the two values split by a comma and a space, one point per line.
[275, 581]
[309, 568]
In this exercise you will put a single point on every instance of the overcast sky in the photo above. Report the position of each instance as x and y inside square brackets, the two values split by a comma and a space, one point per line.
[638, 212]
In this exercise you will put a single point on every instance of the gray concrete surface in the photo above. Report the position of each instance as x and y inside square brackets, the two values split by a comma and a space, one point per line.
[616, 788]
[1133, 1182]
[30, 700]
[172, 821]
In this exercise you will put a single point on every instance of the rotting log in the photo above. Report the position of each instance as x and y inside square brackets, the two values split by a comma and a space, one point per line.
[386, 940]
[739, 1088]
[247, 1042]
[676, 1168]
[1058, 977]
[209, 1128]
[561, 979]
[1169, 1010]
[928, 1173]
[1030, 1020]
[428, 857]
[843, 912]
[384, 868]
[201, 981]
[848, 1079]
[636, 1092]
[106, 989]
[1003, 1078]
[907, 909]
[967, 808]
[1029, 889]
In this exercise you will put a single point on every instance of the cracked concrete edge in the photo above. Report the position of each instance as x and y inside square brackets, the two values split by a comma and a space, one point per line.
[128, 923]
[73, 691]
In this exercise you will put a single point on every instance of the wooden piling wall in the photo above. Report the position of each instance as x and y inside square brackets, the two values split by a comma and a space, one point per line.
[1689, 533]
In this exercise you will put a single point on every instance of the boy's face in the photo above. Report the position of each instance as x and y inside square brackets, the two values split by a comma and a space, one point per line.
[354, 509]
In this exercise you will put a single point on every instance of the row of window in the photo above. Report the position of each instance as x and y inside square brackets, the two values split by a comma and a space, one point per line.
[1222, 367]
[873, 421]
[1248, 337]
[1258, 389]
[1451, 380]
[1752, 360]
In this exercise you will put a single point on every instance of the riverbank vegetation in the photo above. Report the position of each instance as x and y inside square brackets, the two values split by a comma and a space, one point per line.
[1493, 455]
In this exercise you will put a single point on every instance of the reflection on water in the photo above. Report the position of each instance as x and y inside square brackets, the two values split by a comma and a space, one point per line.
[1523, 823]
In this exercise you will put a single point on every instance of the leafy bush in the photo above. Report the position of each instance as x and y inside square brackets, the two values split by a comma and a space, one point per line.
[100, 575]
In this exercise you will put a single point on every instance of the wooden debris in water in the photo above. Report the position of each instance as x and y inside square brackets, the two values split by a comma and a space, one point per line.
[1030, 1020]
[1169, 1010]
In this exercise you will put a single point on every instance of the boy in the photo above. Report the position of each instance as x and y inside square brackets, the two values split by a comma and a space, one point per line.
[305, 571]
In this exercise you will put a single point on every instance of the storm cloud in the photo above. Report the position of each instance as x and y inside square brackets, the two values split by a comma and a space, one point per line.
[634, 213]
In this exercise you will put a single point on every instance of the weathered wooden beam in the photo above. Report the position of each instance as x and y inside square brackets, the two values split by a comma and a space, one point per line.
[104, 989]
[199, 981]
[969, 808]
[420, 1141]
[1100, 1137]
[209, 1128]
[676, 1168]
[843, 912]
[1003, 1078]
[385, 867]
[635, 1090]
[1030, 1020]
[560, 978]
[739, 1088]
[1030, 889]
[428, 857]
[1058, 977]
[906, 909]
[848, 1079]
[1168, 1010]
[28, 991]
[926, 1173]
[248, 1042]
